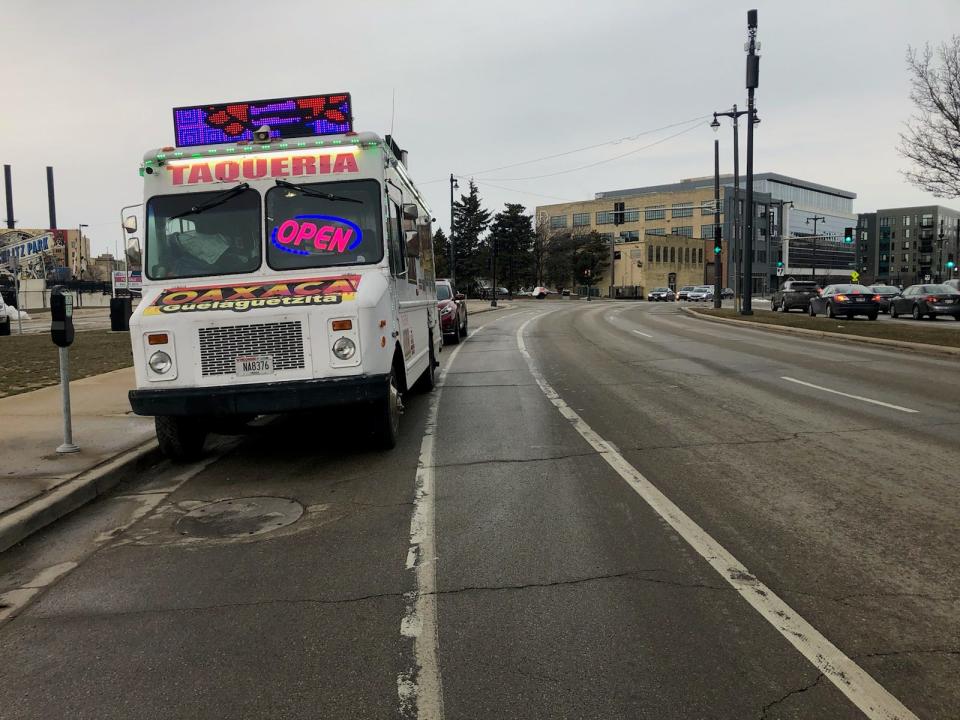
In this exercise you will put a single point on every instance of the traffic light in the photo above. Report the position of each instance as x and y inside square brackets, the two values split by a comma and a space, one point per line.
[717, 240]
[779, 263]
[950, 263]
[848, 235]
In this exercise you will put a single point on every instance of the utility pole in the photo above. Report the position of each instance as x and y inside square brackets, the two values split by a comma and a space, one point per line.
[618, 218]
[453, 251]
[8, 187]
[940, 254]
[815, 219]
[717, 236]
[753, 81]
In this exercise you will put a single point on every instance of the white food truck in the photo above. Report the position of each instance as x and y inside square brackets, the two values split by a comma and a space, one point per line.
[287, 266]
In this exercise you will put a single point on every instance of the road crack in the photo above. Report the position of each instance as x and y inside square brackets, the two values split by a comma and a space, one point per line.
[809, 686]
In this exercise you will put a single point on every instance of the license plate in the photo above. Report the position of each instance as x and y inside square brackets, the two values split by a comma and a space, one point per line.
[254, 365]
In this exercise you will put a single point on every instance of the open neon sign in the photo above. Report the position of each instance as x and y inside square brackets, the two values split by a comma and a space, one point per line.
[316, 234]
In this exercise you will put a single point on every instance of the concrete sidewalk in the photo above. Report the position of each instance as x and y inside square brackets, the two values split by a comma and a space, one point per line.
[37, 485]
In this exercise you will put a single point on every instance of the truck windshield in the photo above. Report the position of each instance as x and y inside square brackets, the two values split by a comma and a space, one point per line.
[324, 224]
[197, 235]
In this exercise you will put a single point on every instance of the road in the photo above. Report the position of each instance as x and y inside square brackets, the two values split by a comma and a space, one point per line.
[606, 511]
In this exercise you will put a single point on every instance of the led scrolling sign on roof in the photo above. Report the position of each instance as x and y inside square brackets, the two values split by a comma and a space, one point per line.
[287, 118]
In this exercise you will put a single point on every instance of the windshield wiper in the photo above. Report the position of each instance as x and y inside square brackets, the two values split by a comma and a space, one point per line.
[316, 193]
[214, 201]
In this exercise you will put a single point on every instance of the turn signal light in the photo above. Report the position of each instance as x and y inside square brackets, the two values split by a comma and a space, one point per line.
[157, 339]
[841, 298]
[877, 298]
[342, 324]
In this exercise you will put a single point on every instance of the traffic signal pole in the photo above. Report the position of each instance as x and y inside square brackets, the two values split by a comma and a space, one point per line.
[753, 81]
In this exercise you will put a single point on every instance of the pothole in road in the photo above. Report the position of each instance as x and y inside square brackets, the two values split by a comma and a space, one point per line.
[240, 517]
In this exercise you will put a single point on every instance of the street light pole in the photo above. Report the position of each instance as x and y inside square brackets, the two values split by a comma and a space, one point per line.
[753, 80]
[453, 252]
[717, 287]
[82, 263]
[734, 114]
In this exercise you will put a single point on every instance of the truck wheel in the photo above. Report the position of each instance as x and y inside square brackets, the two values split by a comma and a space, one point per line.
[5, 327]
[428, 380]
[386, 415]
[181, 438]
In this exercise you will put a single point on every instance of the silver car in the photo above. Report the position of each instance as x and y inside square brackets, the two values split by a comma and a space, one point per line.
[701, 293]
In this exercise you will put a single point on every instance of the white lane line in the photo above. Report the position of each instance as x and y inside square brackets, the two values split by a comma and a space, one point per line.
[848, 395]
[643, 333]
[420, 688]
[853, 681]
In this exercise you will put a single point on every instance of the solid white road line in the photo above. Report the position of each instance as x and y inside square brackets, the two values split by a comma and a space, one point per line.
[643, 333]
[859, 687]
[848, 395]
[420, 688]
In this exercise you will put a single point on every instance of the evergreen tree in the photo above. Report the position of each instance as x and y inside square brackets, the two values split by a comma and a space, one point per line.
[512, 234]
[441, 254]
[470, 220]
[591, 258]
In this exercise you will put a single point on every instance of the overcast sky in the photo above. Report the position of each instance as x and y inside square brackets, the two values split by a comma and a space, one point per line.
[89, 86]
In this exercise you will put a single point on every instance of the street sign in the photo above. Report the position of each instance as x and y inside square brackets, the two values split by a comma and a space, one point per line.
[854, 276]
[926, 278]
[780, 271]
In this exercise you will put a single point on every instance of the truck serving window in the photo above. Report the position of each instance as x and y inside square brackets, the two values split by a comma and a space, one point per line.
[203, 234]
[324, 224]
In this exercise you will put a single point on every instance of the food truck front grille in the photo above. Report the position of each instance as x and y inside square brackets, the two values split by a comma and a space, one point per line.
[220, 346]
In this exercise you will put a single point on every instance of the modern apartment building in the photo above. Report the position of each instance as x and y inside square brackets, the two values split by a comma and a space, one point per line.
[914, 244]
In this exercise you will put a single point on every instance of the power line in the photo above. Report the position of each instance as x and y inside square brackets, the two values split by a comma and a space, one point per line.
[601, 162]
[522, 192]
[616, 141]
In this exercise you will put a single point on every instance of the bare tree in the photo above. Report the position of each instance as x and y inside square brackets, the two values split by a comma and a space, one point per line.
[932, 138]
[539, 250]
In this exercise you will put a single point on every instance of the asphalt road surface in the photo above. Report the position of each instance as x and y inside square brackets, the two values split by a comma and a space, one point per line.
[607, 511]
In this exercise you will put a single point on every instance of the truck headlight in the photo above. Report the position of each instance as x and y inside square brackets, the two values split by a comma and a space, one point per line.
[344, 348]
[160, 362]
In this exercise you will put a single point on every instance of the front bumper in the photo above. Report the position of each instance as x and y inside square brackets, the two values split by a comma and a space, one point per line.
[260, 398]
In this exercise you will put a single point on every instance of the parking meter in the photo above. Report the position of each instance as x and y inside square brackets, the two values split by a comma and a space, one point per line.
[61, 316]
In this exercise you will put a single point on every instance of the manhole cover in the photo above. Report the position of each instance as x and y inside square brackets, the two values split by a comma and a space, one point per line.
[240, 517]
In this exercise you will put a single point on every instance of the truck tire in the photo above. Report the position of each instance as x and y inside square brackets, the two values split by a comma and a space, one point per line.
[428, 380]
[181, 438]
[386, 415]
[5, 326]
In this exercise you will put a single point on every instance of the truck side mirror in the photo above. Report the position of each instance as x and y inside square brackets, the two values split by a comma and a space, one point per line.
[413, 244]
[130, 223]
[61, 317]
[134, 256]
[410, 211]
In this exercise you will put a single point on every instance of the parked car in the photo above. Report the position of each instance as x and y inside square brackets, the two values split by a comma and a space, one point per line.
[846, 300]
[955, 284]
[539, 292]
[886, 293]
[927, 301]
[727, 294]
[794, 294]
[661, 293]
[701, 293]
[452, 307]
[682, 292]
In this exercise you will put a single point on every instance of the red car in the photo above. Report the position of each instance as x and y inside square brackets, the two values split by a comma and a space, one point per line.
[452, 307]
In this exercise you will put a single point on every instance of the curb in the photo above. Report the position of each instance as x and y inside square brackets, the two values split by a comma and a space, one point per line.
[923, 348]
[45, 509]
